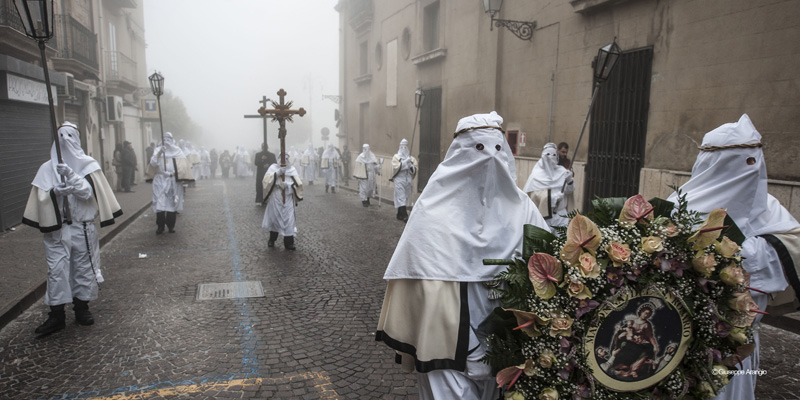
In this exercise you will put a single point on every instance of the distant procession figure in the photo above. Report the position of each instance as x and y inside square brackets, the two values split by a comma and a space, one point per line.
[225, 162]
[281, 197]
[167, 188]
[309, 163]
[205, 163]
[214, 157]
[72, 249]
[365, 169]
[330, 168]
[241, 162]
[346, 157]
[545, 186]
[193, 156]
[404, 168]
[262, 160]
[294, 155]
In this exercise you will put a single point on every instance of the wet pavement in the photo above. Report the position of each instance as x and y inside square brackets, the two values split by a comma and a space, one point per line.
[310, 337]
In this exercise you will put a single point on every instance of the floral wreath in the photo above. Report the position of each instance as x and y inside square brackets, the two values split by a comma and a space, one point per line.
[554, 294]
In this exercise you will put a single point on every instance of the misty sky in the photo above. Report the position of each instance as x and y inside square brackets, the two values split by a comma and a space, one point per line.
[221, 57]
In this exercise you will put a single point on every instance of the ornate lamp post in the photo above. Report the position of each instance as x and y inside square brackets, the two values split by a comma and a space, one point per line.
[37, 19]
[522, 29]
[607, 57]
[419, 100]
[157, 86]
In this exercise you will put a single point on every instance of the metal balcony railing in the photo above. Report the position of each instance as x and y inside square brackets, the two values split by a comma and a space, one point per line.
[120, 68]
[76, 41]
[9, 16]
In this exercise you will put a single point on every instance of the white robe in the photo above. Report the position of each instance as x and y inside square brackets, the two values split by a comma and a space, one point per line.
[403, 171]
[205, 164]
[309, 163]
[329, 164]
[366, 185]
[279, 215]
[167, 191]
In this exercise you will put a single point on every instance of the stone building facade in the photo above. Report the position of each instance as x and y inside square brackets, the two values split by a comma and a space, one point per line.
[687, 67]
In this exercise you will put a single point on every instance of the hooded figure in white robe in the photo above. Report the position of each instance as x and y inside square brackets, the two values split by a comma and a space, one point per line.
[171, 168]
[283, 190]
[72, 250]
[404, 168]
[205, 163]
[471, 209]
[329, 164]
[550, 186]
[366, 167]
[730, 173]
[294, 155]
[309, 163]
[242, 162]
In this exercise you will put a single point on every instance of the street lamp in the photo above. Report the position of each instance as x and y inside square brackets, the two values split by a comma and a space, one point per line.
[607, 57]
[37, 20]
[419, 100]
[157, 86]
[522, 29]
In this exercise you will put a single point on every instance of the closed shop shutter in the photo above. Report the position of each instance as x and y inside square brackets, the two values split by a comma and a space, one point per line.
[25, 141]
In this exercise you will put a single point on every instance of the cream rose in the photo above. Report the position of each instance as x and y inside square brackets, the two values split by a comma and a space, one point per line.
[548, 394]
[738, 335]
[578, 291]
[733, 275]
[547, 359]
[704, 264]
[561, 326]
[588, 266]
[652, 244]
[742, 302]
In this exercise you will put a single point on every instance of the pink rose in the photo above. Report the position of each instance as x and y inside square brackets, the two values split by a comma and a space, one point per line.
[619, 253]
[588, 266]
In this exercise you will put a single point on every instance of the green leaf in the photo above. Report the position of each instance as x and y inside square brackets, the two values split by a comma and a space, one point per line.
[663, 208]
[605, 211]
[536, 240]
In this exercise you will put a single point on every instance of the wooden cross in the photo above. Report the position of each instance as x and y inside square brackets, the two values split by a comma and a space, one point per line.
[281, 112]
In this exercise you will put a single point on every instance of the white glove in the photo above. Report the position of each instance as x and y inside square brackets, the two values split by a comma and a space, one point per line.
[63, 189]
[557, 197]
[64, 170]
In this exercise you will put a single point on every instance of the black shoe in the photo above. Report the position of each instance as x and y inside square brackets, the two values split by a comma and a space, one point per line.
[271, 243]
[365, 203]
[288, 243]
[54, 323]
[172, 231]
[290, 247]
[333, 189]
[82, 314]
[326, 188]
[160, 231]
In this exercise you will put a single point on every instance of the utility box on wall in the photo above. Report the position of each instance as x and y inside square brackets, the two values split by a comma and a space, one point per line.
[114, 108]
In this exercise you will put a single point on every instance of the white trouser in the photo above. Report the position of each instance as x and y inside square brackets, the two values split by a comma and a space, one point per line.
[73, 269]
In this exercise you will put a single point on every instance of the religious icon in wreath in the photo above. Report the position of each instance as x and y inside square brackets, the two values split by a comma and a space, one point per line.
[640, 338]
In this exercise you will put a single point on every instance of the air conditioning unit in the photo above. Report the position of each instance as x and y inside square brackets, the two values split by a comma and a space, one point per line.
[67, 91]
[114, 108]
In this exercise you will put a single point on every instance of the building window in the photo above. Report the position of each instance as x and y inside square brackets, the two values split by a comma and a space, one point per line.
[430, 23]
[363, 57]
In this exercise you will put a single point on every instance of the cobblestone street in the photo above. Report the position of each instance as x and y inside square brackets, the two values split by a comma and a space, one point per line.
[310, 337]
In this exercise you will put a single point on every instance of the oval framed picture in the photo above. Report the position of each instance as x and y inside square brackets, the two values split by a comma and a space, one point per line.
[638, 340]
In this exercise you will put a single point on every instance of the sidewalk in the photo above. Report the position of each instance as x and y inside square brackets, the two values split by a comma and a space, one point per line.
[23, 269]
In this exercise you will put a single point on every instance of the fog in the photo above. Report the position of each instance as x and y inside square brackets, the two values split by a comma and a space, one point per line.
[221, 57]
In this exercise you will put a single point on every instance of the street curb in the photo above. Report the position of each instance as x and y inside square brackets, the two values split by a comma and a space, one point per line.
[782, 322]
[28, 299]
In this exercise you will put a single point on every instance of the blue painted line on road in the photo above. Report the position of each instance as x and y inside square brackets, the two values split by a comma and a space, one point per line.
[249, 337]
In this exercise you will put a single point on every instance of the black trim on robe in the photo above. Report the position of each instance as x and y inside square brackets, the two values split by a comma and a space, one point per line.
[789, 269]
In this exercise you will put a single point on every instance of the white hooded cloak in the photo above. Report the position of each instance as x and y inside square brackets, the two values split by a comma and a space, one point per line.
[722, 178]
[279, 214]
[404, 168]
[365, 168]
[550, 186]
[470, 210]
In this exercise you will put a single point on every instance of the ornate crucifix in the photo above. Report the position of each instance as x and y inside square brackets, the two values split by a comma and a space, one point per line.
[282, 112]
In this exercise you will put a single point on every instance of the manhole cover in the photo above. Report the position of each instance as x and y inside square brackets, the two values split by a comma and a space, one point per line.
[232, 290]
